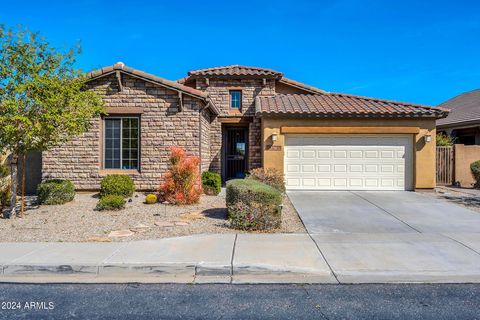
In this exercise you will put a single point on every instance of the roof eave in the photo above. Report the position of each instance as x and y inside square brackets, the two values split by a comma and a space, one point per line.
[260, 114]
[301, 86]
[231, 76]
[475, 122]
[172, 85]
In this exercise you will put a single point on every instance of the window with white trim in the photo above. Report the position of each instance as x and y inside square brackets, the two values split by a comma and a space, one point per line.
[121, 143]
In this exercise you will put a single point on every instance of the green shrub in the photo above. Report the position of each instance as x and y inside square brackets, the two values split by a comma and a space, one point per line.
[253, 205]
[271, 177]
[212, 183]
[111, 202]
[55, 192]
[444, 141]
[475, 167]
[151, 199]
[117, 184]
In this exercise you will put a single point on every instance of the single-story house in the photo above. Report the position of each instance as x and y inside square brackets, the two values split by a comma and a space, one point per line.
[463, 122]
[236, 118]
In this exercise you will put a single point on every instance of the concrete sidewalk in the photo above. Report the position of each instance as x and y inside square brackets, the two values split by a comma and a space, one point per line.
[251, 258]
[217, 258]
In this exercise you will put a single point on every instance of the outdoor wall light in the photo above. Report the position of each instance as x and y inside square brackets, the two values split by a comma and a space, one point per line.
[428, 138]
[274, 137]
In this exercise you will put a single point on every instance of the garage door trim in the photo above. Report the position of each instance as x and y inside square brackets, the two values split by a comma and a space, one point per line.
[348, 161]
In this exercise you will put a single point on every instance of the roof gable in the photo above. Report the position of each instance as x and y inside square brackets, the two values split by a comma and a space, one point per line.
[120, 67]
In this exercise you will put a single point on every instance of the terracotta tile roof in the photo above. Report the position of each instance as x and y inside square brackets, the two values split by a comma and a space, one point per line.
[119, 66]
[301, 85]
[343, 105]
[464, 108]
[236, 70]
[141, 74]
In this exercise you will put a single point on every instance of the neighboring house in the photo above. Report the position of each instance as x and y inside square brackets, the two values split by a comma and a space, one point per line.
[463, 122]
[237, 118]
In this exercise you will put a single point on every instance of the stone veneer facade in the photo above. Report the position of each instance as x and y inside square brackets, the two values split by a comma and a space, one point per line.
[219, 91]
[162, 125]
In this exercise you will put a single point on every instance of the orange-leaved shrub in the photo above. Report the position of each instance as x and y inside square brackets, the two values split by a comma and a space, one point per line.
[182, 183]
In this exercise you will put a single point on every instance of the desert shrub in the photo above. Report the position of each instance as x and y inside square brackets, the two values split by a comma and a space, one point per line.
[111, 202]
[271, 177]
[55, 192]
[444, 141]
[151, 199]
[211, 182]
[5, 186]
[182, 183]
[253, 205]
[475, 168]
[117, 184]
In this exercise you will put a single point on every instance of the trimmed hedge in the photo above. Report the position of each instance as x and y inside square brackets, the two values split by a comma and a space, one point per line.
[117, 184]
[475, 168]
[271, 177]
[212, 183]
[253, 205]
[55, 192]
[111, 202]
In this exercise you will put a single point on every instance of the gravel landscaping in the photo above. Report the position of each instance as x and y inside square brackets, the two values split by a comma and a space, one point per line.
[466, 197]
[79, 221]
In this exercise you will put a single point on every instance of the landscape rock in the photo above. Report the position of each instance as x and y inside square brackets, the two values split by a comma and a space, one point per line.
[139, 228]
[120, 234]
[164, 224]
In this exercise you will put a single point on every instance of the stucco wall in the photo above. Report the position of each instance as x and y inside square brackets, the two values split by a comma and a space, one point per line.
[424, 153]
[464, 156]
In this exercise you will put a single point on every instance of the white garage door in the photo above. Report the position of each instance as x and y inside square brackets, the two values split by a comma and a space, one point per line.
[349, 162]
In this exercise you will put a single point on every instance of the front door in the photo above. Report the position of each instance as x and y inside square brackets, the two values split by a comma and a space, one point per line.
[236, 151]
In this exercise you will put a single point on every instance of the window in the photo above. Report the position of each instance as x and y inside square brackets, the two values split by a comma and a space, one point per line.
[236, 99]
[121, 143]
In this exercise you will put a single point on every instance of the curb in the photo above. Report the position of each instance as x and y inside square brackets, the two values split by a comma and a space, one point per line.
[162, 273]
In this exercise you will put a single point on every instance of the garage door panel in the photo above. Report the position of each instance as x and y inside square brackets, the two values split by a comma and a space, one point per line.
[324, 168]
[353, 162]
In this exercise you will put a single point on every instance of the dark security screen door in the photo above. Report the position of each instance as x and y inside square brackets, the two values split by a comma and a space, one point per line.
[235, 152]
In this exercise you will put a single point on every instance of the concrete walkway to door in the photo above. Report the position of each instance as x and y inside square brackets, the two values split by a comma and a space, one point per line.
[392, 236]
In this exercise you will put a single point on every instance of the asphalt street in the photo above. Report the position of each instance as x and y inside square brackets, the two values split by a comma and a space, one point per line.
[180, 301]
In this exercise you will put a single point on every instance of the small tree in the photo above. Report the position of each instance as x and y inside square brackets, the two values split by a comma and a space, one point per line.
[182, 184]
[42, 97]
[444, 141]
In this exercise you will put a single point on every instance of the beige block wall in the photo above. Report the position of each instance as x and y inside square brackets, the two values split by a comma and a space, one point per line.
[464, 156]
[424, 153]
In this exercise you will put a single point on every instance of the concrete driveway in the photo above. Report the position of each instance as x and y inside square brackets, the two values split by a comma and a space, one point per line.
[381, 212]
[392, 236]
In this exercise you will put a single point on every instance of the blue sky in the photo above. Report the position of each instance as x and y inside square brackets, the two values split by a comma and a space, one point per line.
[415, 51]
